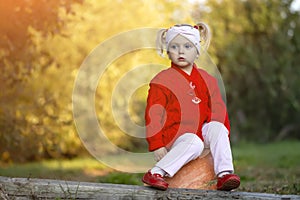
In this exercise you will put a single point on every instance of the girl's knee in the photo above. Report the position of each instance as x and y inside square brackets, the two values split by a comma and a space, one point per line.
[214, 128]
[192, 138]
[190, 142]
[196, 144]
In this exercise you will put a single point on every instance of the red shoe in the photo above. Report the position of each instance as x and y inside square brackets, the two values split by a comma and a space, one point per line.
[228, 182]
[155, 180]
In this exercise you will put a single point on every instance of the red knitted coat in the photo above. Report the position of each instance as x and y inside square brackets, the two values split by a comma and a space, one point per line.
[170, 111]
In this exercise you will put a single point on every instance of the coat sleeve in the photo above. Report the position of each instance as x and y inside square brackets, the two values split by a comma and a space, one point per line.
[155, 116]
[218, 108]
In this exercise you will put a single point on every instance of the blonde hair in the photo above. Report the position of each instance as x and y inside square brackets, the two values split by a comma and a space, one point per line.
[204, 32]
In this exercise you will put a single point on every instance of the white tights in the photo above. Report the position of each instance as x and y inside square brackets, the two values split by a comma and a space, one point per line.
[189, 147]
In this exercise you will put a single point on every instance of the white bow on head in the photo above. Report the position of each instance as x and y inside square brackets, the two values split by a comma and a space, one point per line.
[189, 32]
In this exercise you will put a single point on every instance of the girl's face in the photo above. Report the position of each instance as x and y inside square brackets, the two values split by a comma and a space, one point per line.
[182, 52]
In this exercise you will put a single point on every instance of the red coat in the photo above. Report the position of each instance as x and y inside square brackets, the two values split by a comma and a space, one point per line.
[170, 111]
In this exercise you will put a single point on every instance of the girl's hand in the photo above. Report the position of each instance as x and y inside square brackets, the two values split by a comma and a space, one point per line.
[160, 153]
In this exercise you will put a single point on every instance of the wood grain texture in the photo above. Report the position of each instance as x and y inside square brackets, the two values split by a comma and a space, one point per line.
[23, 188]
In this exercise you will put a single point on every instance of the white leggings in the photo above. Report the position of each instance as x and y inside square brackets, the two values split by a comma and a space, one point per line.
[189, 147]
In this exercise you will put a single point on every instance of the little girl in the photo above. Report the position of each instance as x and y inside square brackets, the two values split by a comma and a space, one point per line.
[185, 111]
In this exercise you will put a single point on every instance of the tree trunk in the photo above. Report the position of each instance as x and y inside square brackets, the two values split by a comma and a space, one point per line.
[22, 188]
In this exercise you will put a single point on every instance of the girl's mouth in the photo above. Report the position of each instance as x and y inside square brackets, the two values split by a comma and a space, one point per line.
[181, 59]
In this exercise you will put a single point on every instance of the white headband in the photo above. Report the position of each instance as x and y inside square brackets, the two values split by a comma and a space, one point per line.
[189, 32]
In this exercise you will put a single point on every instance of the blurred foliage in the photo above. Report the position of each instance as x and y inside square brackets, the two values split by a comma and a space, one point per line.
[35, 116]
[17, 18]
[43, 43]
[42, 46]
[256, 45]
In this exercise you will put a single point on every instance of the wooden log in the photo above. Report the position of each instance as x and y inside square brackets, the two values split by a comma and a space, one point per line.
[23, 188]
[197, 174]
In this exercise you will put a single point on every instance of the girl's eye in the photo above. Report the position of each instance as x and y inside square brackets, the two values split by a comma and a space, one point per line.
[173, 47]
[188, 46]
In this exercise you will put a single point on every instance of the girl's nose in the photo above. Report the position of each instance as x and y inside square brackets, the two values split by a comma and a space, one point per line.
[180, 50]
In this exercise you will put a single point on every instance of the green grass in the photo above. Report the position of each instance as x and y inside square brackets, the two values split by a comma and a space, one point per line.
[271, 168]
[122, 178]
[79, 169]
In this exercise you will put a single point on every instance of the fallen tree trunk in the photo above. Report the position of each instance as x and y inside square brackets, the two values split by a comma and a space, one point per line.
[22, 188]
